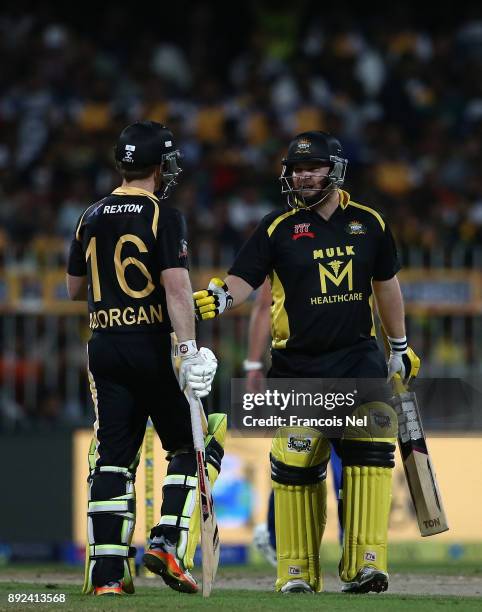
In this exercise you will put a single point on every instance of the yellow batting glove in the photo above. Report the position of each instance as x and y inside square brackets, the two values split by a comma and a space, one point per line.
[403, 360]
[213, 301]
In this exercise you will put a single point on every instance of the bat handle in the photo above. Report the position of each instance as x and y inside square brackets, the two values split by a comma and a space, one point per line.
[195, 408]
[398, 385]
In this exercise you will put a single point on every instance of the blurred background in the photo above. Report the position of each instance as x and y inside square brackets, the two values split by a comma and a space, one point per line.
[401, 88]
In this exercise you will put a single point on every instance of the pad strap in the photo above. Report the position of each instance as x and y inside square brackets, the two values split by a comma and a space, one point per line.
[180, 480]
[171, 520]
[291, 475]
[376, 454]
[98, 551]
[120, 507]
[113, 469]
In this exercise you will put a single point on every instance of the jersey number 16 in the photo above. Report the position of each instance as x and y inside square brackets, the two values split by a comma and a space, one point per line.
[120, 267]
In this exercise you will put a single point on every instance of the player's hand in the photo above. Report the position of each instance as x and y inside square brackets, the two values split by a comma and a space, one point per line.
[402, 360]
[197, 369]
[213, 301]
[254, 381]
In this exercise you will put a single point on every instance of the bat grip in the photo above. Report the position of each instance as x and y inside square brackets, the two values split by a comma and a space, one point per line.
[398, 385]
[196, 409]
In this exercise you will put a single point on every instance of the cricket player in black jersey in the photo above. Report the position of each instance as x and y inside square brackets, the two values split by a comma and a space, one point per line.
[128, 258]
[325, 258]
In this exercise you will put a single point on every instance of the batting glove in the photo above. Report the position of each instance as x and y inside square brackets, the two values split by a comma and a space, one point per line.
[402, 360]
[213, 301]
[198, 367]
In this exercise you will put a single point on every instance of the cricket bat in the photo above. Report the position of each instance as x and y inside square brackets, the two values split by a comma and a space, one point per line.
[417, 462]
[208, 522]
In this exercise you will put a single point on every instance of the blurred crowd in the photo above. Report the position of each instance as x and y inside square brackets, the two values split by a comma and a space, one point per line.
[402, 89]
[403, 94]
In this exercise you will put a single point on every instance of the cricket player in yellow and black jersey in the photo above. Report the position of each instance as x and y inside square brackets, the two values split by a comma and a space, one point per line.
[128, 258]
[325, 258]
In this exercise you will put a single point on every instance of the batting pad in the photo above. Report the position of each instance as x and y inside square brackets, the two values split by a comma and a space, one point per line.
[366, 506]
[298, 461]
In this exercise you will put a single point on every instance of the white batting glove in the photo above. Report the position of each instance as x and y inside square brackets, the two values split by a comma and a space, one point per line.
[402, 360]
[198, 367]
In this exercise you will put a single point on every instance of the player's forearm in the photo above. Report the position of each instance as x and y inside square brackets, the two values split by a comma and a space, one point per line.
[77, 287]
[389, 301]
[238, 288]
[181, 313]
[259, 331]
[179, 303]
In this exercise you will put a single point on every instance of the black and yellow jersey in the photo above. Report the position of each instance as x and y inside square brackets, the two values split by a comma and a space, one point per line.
[122, 243]
[320, 273]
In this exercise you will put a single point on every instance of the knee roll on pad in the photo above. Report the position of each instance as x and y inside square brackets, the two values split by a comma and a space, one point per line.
[182, 479]
[111, 518]
[299, 457]
[380, 423]
[368, 461]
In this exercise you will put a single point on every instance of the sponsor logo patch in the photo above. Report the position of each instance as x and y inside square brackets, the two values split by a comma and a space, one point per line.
[182, 248]
[355, 227]
[294, 570]
[381, 420]
[129, 149]
[299, 445]
[370, 556]
[302, 229]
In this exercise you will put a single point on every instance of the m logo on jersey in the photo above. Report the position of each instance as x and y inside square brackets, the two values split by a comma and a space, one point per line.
[337, 274]
[302, 229]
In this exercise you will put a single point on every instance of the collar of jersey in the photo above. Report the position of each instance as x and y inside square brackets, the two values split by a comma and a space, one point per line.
[133, 191]
[343, 203]
[344, 199]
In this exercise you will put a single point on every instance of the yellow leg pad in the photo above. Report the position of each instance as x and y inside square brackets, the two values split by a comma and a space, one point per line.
[366, 506]
[298, 470]
[217, 425]
[300, 519]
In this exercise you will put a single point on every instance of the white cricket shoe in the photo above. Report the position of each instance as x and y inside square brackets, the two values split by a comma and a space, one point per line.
[263, 545]
[296, 586]
[368, 579]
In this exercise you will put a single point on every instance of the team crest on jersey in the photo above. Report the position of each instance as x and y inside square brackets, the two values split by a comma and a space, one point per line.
[303, 146]
[302, 229]
[355, 227]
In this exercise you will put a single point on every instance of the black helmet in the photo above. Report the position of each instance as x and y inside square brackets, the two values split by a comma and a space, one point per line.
[148, 143]
[313, 146]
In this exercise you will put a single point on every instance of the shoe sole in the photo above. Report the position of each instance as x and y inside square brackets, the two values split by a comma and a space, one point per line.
[109, 592]
[378, 583]
[171, 575]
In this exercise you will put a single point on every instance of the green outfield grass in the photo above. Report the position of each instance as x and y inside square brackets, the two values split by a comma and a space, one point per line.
[411, 561]
[233, 600]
